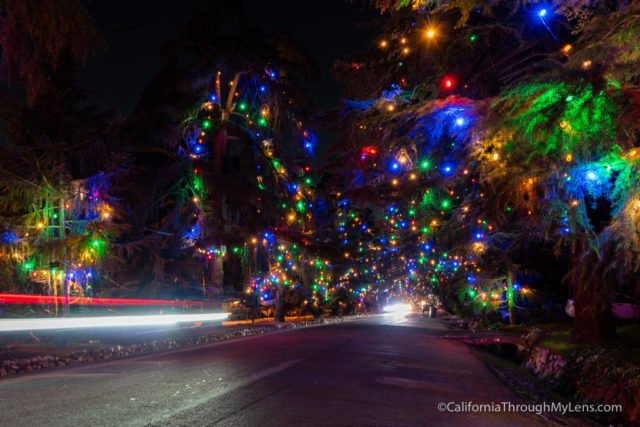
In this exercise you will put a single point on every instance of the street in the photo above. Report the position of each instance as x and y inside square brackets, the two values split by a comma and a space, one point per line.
[382, 371]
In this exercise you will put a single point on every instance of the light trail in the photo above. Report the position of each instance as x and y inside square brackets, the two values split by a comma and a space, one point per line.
[397, 308]
[47, 299]
[17, 325]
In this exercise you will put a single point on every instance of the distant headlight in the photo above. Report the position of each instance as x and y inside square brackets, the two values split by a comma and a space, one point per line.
[397, 308]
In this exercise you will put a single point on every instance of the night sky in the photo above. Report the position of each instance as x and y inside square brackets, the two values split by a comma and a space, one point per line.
[326, 30]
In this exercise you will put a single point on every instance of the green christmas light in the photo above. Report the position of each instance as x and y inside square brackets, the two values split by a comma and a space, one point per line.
[197, 184]
[424, 164]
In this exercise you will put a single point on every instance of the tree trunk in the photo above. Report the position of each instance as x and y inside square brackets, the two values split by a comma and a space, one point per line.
[219, 150]
[279, 309]
[593, 321]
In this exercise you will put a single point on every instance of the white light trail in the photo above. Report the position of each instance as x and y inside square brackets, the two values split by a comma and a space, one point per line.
[15, 325]
[397, 308]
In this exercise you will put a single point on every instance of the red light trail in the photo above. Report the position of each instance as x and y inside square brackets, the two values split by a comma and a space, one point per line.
[47, 299]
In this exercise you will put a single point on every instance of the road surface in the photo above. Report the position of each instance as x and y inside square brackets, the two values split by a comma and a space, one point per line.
[381, 371]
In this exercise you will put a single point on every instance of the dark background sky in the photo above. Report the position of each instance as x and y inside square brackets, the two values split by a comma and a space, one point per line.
[326, 30]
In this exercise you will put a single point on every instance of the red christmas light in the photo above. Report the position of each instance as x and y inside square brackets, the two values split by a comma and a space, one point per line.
[369, 151]
[448, 82]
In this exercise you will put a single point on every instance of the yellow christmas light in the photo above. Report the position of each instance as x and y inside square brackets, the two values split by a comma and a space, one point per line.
[430, 33]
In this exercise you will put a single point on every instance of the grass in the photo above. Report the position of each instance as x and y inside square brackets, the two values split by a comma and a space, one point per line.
[560, 342]
[546, 326]
[557, 337]
[628, 343]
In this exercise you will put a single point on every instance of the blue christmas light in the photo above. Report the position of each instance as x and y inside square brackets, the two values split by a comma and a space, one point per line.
[9, 238]
[447, 169]
[292, 187]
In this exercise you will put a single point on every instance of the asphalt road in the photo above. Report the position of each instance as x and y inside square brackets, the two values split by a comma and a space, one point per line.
[381, 371]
